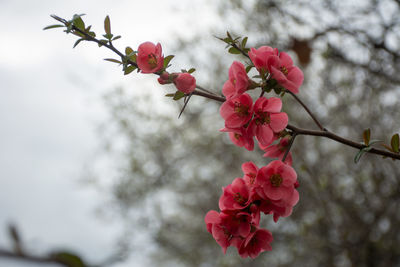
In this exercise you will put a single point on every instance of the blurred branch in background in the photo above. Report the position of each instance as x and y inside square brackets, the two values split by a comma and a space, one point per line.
[60, 257]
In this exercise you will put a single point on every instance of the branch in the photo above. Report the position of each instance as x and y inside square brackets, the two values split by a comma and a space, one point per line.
[323, 133]
[307, 110]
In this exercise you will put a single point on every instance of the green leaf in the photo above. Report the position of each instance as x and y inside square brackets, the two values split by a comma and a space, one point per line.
[128, 51]
[108, 36]
[395, 143]
[116, 37]
[178, 95]
[78, 22]
[248, 68]
[170, 95]
[233, 50]
[191, 70]
[167, 60]
[77, 42]
[107, 26]
[387, 147]
[367, 136]
[68, 259]
[244, 42]
[229, 35]
[103, 42]
[113, 60]
[129, 69]
[53, 26]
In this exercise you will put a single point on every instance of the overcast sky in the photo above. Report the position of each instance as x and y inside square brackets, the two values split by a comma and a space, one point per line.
[50, 106]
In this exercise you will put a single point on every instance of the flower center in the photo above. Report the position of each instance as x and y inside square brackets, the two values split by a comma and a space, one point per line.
[241, 110]
[152, 60]
[239, 199]
[276, 180]
[252, 177]
[284, 70]
[237, 136]
[263, 118]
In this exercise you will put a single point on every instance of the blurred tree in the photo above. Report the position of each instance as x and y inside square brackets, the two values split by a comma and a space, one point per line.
[171, 170]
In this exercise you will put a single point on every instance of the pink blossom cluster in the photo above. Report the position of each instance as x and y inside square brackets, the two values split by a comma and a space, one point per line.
[270, 189]
[151, 60]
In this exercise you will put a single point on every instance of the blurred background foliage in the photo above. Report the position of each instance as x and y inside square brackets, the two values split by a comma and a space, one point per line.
[170, 171]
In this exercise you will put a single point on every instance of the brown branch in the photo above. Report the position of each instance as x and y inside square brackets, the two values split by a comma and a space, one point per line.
[307, 110]
[342, 140]
[208, 94]
[323, 133]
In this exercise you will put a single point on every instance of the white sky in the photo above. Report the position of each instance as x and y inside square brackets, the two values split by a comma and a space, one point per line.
[50, 105]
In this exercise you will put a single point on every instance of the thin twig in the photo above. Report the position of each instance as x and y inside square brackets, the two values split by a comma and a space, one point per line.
[289, 146]
[307, 110]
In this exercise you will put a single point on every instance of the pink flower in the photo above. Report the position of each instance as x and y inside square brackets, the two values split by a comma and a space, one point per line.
[279, 150]
[250, 171]
[237, 111]
[282, 70]
[228, 90]
[238, 78]
[267, 120]
[185, 83]
[216, 226]
[258, 241]
[237, 223]
[240, 137]
[260, 56]
[277, 180]
[149, 57]
[235, 196]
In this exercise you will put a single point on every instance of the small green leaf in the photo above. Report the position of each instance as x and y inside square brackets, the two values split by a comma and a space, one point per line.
[178, 95]
[68, 259]
[167, 60]
[129, 69]
[170, 95]
[229, 35]
[367, 136]
[108, 36]
[244, 42]
[387, 147]
[248, 68]
[191, 70]
[107, 26]
[77, 42]
[358, 156]
[113, 60]
[128, 51]
[233, 50]
[395, 143]
[116, 37]
[103, 42]
[53, 26]
[78, 22]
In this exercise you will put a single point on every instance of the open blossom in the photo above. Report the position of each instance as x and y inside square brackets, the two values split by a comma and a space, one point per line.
[240, 137]
[260, 56]
[282, 70]
[185, 83]
[238, 78]
[257, 242]
[221, 224]
[268, 120]
[250, 171]
[278, 150]
[235, 196]
[277, 180]
[149, 57]
[237, 111]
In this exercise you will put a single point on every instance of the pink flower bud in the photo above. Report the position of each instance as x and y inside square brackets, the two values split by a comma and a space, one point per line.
[185, 83]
